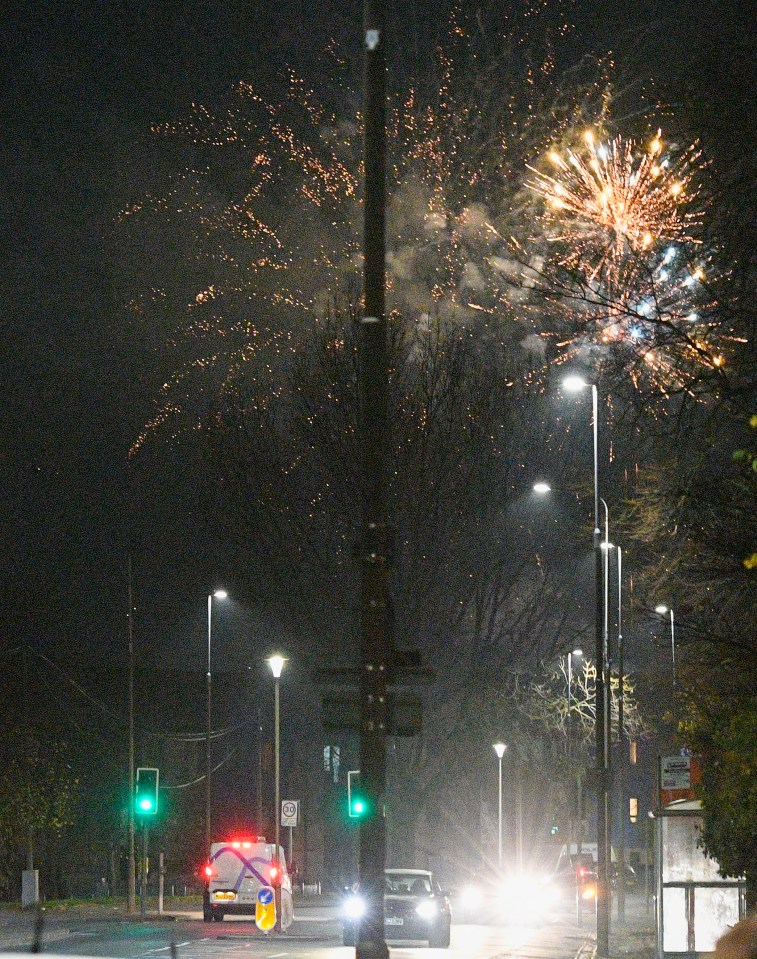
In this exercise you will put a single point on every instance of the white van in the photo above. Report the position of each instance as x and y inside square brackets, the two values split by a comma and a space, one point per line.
[235, 873]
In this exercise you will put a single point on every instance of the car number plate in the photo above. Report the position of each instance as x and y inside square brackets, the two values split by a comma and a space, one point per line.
[394, 920]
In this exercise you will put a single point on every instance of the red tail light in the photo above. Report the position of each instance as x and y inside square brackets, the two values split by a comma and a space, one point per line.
[208, 871]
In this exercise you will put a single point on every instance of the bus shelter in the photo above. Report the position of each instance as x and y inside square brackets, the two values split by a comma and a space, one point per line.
[694, 905]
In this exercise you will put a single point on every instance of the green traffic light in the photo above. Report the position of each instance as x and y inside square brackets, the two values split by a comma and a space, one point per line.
[358, 807]
[145, 804]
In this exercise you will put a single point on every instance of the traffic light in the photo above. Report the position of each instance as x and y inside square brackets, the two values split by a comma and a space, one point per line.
[146, 792]
[357, 803]
[554, 829]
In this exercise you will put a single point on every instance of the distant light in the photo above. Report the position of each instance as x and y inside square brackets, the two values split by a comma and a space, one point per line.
[277, 665]
[589, 137]
[670, 254]
[220, 594]
[602, 151]
[692, 317]
[542, 488]
[636, 332]
[499, 749]
[664, 275]
[661, 609]
[577, 652]
[574, 384]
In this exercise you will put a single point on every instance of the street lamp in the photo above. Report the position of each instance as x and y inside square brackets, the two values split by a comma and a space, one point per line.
[662, 610]
[574, 384]
[276, 664]
[217, 594]
[577, 653]
[542, 488]
[499, 749]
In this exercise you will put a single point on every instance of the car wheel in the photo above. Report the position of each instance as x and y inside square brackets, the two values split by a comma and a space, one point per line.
[217, 916]
[440, 939]
[348, 937]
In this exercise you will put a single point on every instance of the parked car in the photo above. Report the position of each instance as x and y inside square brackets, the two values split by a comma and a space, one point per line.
[415, 908]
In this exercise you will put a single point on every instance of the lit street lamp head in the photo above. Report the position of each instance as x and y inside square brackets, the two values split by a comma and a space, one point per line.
[574, 383]
[542, 488]
[661, 609]
[220, 594]
[499, 749]
[277, 665]
[577, 652]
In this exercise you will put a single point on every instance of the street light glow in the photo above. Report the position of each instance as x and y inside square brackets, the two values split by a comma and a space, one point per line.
[277, 665]
[574, 383]
[661, 609]
[577, 652]
[542, 488]
[220, 594]
[499, 749]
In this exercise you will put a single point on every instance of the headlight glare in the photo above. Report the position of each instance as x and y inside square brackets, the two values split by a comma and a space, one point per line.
[354, 908]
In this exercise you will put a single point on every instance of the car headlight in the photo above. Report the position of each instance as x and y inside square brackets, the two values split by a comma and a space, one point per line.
[354, 908]
[427, 909]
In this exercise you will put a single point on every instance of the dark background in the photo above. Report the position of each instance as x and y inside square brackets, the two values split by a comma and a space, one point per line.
[83, 83]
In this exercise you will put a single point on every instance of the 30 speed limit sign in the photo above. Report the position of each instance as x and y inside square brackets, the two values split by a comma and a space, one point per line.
[290, 809]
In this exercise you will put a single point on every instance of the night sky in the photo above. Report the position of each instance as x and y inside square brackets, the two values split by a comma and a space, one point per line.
[83, 82]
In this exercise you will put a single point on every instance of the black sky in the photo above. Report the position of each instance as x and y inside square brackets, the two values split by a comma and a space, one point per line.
[83, 82]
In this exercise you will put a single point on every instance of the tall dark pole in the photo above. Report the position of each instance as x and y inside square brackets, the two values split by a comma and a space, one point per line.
[208, 836]
[622, 753]
[375, 643]
[131, 881]
[600, 693]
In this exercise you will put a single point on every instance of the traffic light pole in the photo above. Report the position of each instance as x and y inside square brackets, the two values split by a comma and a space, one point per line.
[143, 872]
[375, 643]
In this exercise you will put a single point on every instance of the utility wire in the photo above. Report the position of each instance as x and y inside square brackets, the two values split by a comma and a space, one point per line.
[175, 737]
[201, 778]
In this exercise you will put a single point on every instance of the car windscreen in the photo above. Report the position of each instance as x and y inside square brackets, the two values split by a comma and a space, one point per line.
[401, 884]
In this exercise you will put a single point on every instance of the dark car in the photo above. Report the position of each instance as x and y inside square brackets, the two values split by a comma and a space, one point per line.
[415, 909]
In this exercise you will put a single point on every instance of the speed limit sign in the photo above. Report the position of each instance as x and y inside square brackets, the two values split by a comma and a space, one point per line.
[290, 809]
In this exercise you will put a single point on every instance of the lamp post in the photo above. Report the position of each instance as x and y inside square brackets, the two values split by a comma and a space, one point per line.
[621, 752]
[576, 384]
[662, 610]
[217, 594]
[574, 833]
[499, 749]
[277, 665]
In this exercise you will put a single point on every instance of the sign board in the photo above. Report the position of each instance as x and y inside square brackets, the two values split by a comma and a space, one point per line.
[678, 776]
[675, 772]
[290, 810]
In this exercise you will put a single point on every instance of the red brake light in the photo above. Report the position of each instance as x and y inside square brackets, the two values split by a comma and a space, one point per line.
[208, 870]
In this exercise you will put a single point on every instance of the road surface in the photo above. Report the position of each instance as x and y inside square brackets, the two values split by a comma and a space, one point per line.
[315, 934]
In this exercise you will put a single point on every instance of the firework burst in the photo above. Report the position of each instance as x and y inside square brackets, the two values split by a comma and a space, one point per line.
[612, 205]
[625, 269]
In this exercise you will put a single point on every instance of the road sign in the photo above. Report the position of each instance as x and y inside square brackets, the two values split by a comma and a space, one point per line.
[265, 909]
[675, 772]
[678, 775]
[290, 810]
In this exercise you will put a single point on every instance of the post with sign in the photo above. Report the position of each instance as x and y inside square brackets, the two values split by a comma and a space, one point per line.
[290, 809]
